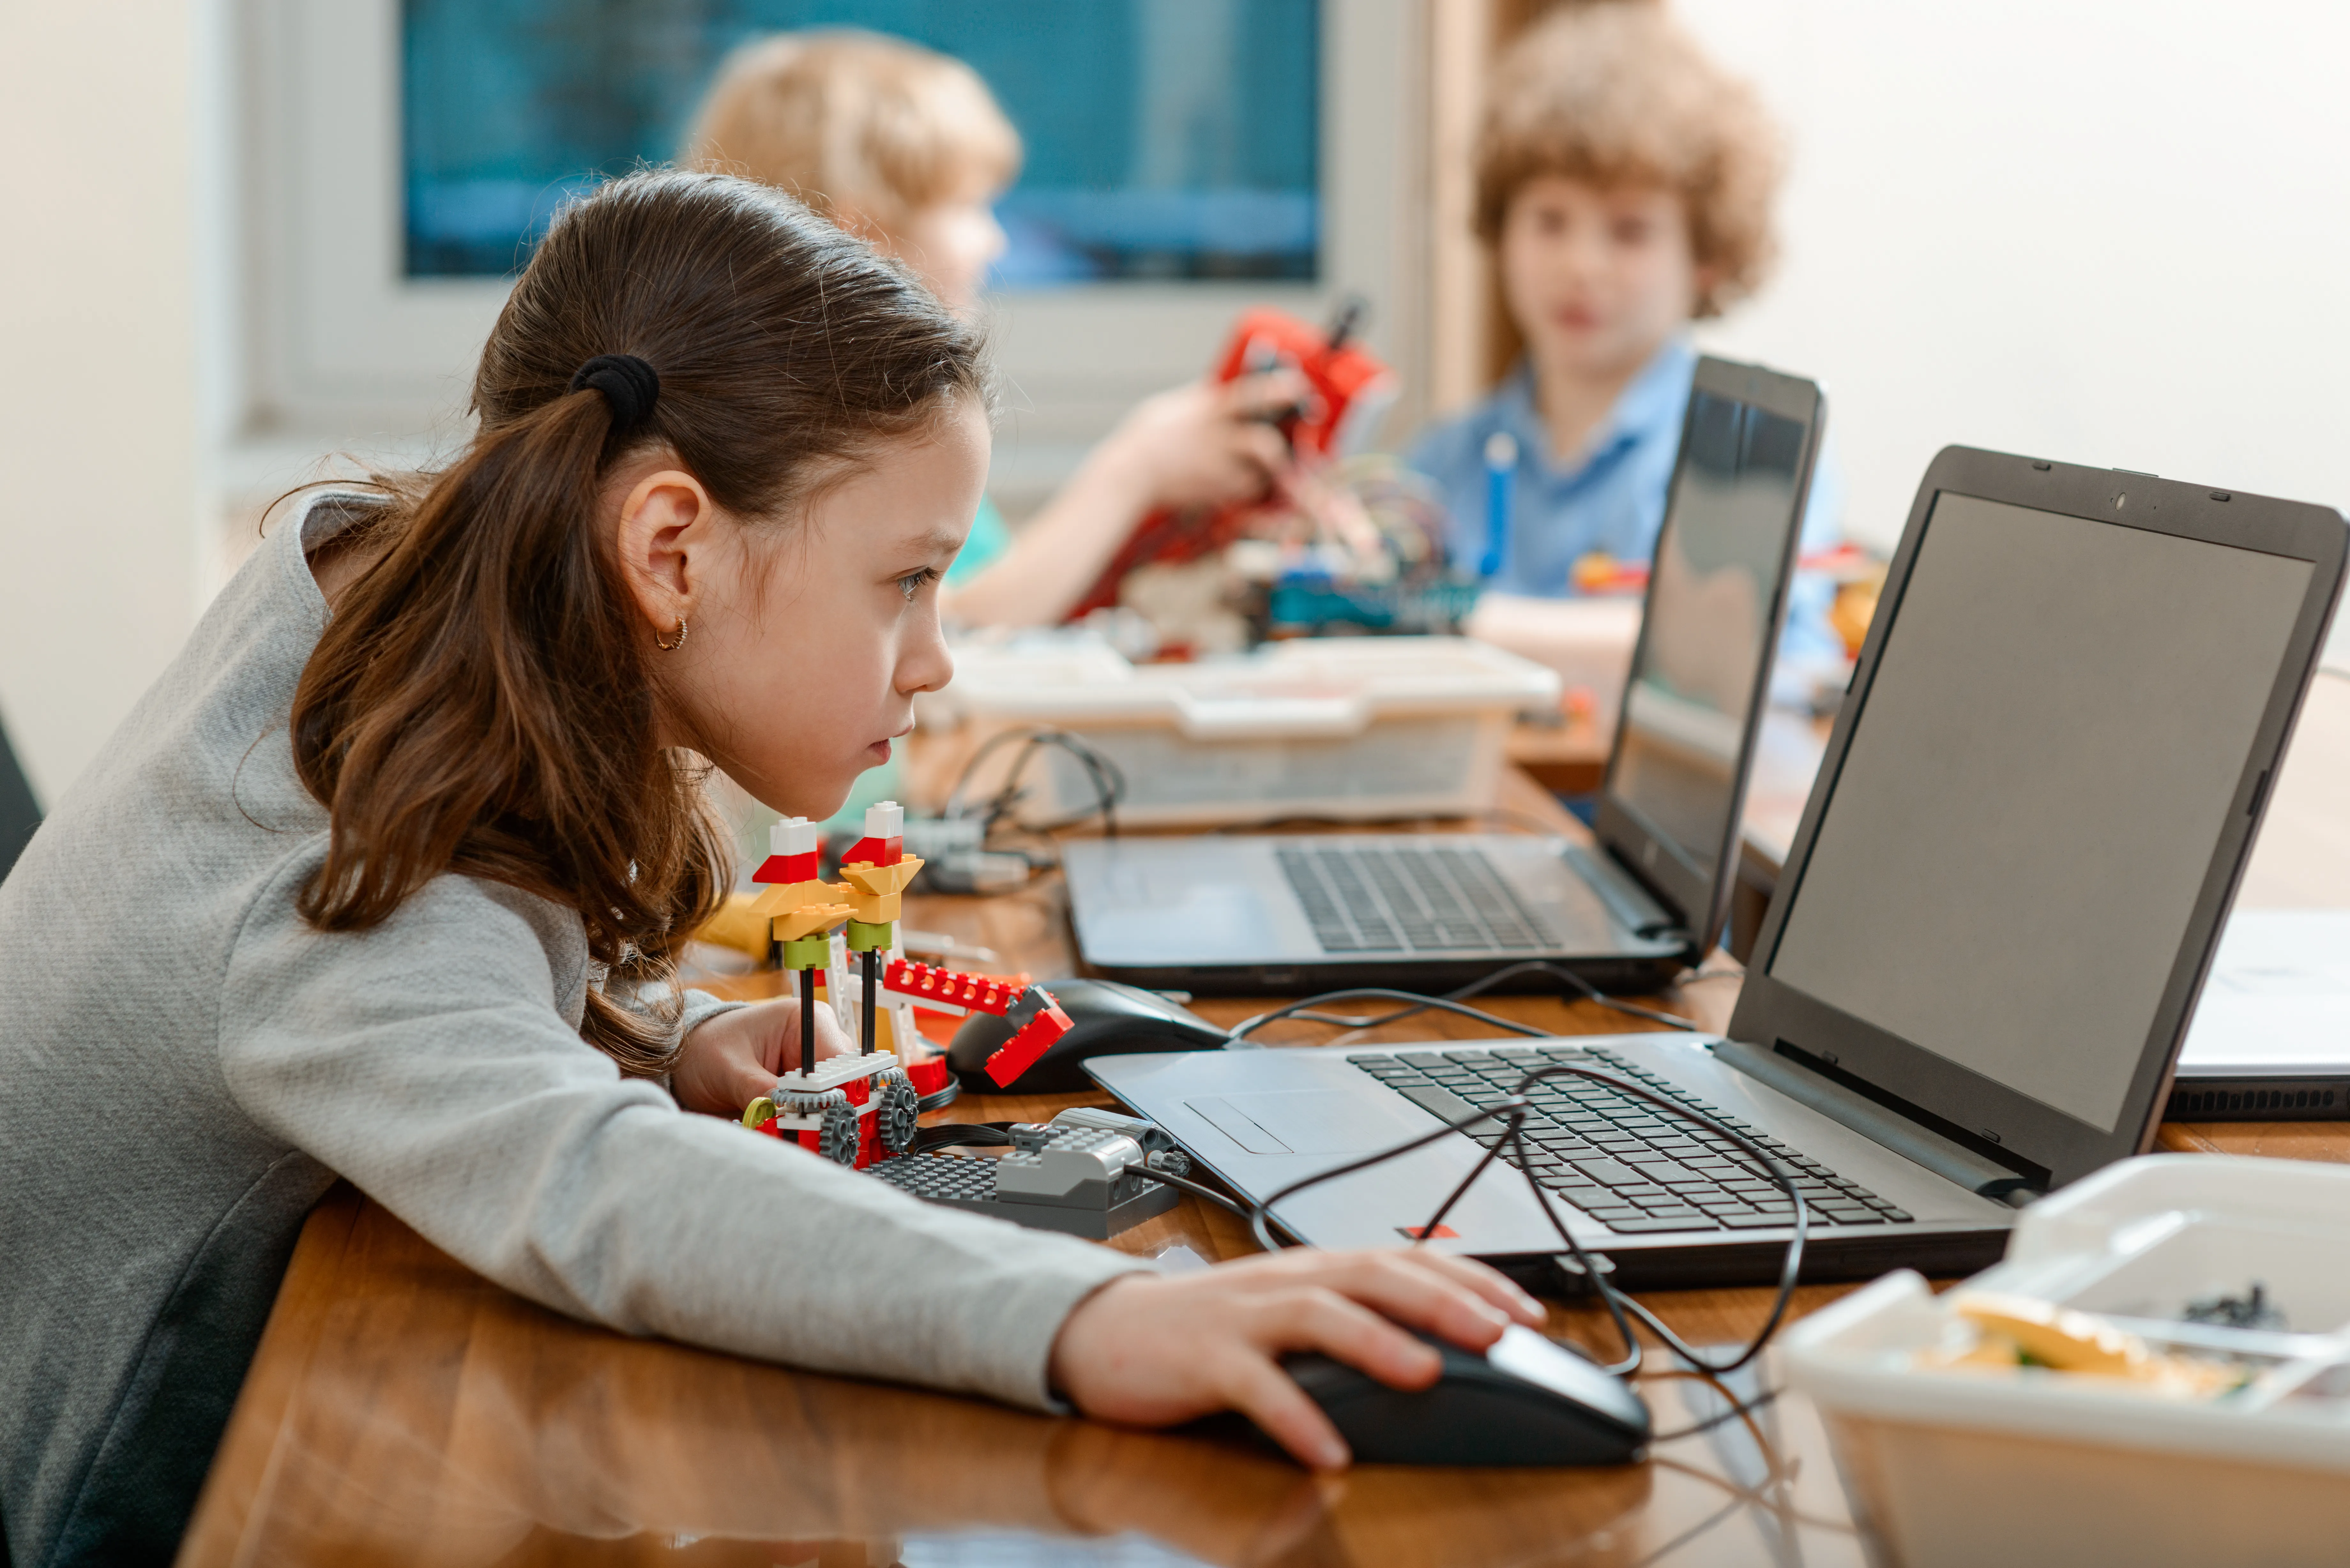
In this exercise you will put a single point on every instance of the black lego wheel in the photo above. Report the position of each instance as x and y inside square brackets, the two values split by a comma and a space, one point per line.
[840, 1133]
[896, 1117]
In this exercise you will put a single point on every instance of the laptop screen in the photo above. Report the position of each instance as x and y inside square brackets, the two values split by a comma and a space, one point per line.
[2034, 791]
[1710, 618]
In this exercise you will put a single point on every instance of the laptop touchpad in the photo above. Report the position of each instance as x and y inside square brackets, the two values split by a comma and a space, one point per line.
[1306, 1121]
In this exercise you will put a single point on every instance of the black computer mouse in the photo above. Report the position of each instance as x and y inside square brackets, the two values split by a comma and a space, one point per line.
[1108, 1020]
[1526, 1401]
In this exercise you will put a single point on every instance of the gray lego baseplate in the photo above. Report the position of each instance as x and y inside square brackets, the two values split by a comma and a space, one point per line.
[1098, 1210]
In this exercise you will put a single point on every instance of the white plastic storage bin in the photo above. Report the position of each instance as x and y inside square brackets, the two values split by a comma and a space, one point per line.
[1350, 728]
[1948, 1468]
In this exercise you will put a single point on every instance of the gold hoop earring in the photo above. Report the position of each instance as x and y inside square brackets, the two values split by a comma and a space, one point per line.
[673, 647]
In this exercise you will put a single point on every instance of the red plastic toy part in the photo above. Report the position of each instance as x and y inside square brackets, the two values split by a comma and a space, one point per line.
[1032, 1040]
[922, 983]
[875, 851]
[1040, 1019]
[786, 868]
[1350, 388]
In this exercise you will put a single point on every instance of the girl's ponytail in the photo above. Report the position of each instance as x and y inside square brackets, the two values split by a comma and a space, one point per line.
[481, 701]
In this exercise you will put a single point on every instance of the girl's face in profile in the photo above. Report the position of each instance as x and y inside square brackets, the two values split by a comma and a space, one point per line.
[809, 636]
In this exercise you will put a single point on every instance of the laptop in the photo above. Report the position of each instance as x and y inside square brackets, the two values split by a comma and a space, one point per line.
[1974, 978]
[2271, 1039]
[1251, 913]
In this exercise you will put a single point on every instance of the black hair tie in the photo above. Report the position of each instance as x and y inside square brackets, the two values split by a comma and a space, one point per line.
[630, 384]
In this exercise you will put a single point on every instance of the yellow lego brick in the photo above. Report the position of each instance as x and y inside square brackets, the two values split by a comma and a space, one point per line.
[868, 878]
[874, 891]
[876, 909]
[807, 919]
[786, 896]
[738, 925]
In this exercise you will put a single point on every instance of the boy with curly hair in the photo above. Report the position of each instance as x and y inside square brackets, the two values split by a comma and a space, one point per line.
[1623, 184]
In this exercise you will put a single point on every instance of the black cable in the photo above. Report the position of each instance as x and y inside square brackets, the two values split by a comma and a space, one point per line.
[1593, 993]
[1109, 781]
[1302, 1009]
[1739, 1410]
[962, 1135]
[1193, 1188]
[1791, 1265]
[1512, 1112]
[1246, 1027]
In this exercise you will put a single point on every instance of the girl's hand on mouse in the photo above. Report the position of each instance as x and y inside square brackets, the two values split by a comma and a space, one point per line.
[1155, 1349]
[731, 1060]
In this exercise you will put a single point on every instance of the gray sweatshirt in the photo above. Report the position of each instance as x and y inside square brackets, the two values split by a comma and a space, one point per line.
[186, 1066]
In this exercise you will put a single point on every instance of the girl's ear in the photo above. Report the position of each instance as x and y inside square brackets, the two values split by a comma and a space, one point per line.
[665, 545]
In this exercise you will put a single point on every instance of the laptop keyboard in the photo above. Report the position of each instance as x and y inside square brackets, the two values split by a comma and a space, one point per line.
[1626, 1163]
[1409, 898]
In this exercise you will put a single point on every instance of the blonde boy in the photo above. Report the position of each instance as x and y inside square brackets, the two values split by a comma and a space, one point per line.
[906, 147]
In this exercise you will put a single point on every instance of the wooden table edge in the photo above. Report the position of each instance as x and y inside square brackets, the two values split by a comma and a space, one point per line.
[239, 1478]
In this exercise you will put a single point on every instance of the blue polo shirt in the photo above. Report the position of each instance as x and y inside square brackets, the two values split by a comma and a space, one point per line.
[1608, 496]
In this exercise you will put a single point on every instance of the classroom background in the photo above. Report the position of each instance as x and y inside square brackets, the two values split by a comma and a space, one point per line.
[257, 232]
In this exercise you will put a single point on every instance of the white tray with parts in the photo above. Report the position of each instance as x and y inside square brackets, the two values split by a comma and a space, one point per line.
[1351, 728]
[1949, 1467]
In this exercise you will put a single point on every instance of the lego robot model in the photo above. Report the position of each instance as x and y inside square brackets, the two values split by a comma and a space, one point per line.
[854, 1108]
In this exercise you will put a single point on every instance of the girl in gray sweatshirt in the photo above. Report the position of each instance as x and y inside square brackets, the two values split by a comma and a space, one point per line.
[385, 876]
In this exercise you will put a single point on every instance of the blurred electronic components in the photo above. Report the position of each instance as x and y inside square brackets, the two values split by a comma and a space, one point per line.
[1360, 548]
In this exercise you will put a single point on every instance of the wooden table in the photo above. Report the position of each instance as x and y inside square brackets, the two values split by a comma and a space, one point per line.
[403, 1409]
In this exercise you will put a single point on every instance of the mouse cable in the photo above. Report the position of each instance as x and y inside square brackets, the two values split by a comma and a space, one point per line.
[1305, 1008]
[1739, 1410]
[1302, 1009]
[1512, 1112]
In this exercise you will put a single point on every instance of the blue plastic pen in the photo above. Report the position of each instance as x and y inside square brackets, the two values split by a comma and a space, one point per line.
[1501, 470]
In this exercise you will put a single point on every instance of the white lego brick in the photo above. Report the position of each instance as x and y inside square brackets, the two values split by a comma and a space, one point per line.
[792, 836]
[835, 1071]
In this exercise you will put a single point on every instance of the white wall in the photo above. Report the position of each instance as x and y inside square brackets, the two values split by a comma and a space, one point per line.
[2109, 232]
[101, 444]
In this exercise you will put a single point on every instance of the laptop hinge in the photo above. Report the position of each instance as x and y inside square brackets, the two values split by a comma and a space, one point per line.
[1921, 1145]
[1626, 899]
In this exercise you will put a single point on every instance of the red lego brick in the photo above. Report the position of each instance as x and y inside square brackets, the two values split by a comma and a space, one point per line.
[786, 868]
[876, 851]
[1020, 1052]
[924, 983]
[929, 1077]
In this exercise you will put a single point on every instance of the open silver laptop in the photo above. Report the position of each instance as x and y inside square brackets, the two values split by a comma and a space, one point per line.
[1977, 971]
[1253, 914]
[2271, 1040]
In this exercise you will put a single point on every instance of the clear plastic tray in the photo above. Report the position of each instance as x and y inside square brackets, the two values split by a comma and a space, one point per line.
[1947, 1467]
[1351, 728]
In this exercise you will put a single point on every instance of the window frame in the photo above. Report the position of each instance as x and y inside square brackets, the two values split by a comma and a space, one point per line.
[345, 348]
